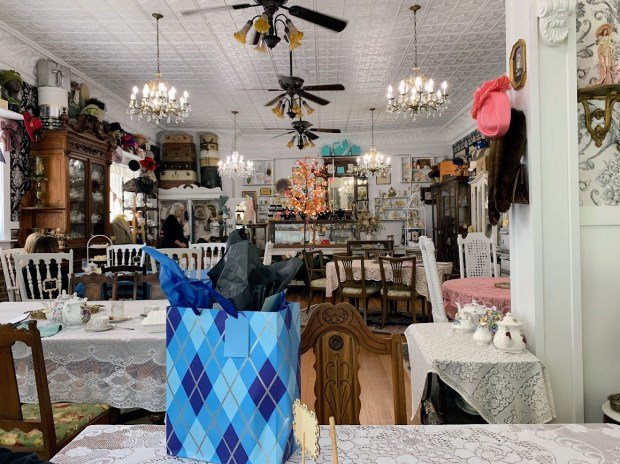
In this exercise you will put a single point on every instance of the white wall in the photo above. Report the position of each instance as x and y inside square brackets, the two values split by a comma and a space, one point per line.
[545, 236]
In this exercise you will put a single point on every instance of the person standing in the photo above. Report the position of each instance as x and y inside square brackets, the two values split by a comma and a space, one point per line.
[173, 234]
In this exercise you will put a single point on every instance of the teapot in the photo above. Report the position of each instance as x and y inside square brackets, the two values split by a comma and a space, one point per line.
[74, 313]
[54, 311]
[509, 336]
[463, 322]
[474, 309]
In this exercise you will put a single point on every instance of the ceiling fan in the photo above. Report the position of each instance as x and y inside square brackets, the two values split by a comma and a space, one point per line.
[304, 136]
[266, 24]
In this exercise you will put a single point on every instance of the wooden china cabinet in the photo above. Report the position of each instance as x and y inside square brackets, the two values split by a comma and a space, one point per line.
[451, 217]
[76, 195]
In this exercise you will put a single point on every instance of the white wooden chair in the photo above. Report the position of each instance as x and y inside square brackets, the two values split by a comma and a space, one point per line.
[478, 255]
[123, 255]
[32, 283]
[267, 257]
[8, 269]
[427, 247]
[188, 259]
[210, 253]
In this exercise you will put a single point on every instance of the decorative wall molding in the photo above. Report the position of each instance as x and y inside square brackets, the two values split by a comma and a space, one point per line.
[553, 21]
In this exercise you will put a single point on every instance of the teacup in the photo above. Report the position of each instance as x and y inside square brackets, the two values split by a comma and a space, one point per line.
[100, 322]
[118, 310]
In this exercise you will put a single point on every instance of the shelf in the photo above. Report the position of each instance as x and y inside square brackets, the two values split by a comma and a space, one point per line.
[140, 208]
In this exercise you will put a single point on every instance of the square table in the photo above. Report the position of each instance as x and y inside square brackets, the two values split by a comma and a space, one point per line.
[366, 444]
[504, 388]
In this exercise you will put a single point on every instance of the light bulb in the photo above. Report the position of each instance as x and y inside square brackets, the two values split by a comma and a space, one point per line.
[390, 92]
[401, 87]
[134, 90]
[444, 86]
[145, 91]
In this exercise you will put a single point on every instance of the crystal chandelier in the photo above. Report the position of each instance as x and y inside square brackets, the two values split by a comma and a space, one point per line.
[372, 162]
[416, 93]
[235, 166]
[158, 99]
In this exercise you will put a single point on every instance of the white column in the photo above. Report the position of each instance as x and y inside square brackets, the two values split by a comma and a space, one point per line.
[545, 235]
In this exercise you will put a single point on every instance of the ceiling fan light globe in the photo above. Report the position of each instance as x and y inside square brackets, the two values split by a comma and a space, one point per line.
[262, 24]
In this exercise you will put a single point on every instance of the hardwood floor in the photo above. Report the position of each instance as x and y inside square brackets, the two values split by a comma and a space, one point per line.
[375, 378]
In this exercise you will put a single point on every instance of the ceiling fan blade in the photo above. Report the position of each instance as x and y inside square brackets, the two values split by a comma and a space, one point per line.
[331, 131]
[311, 136]
[273, 128]
[320, 19]
[238, 6]
[286, 133]
[314, 98]
[262, 90]
[317, 88]
[271, 102]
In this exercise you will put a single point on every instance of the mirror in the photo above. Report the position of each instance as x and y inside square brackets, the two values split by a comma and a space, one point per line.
[341, 193]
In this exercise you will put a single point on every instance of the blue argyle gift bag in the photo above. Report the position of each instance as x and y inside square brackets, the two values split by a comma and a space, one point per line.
[231, 384]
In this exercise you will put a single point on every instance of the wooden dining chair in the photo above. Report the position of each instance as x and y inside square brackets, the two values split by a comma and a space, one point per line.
[43, 276]
[315, 268]
[46, 427]
[336, 334]
[9, 271]
[151, 288]
[398, 287]
[96, 286]
[350, 287]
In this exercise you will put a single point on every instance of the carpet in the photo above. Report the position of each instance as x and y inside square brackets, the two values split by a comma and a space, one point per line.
[396, 324]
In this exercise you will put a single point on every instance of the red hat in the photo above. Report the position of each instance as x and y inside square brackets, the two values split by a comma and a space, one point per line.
[33, 125]
[491, 108]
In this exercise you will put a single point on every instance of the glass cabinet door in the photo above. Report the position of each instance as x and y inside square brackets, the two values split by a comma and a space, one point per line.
[97, 205]
[77, 198]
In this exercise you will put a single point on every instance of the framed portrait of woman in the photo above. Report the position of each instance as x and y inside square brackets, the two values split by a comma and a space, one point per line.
[518, 65]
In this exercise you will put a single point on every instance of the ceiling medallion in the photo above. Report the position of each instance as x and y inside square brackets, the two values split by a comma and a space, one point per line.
[235, 166]
[416, 93]
[373, 162]
[158, 99]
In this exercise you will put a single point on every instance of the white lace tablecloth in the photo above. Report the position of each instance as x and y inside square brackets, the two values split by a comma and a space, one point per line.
[123, 368]
[504, 388]
[359, 444]
[373, 272]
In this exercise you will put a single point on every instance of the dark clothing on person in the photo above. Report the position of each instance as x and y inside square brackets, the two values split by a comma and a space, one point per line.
[172, 231]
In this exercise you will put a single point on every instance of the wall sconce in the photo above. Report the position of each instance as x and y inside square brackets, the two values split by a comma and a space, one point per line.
[607, 93]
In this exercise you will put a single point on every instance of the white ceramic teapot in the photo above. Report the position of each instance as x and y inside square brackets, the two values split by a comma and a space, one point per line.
[463, 322]
[474, 309]
[73, 311]
[509, 336]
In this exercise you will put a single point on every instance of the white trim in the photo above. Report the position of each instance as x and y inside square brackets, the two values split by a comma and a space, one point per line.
[600, 215]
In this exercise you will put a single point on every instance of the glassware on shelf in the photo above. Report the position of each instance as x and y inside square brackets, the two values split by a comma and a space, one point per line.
[77, 198]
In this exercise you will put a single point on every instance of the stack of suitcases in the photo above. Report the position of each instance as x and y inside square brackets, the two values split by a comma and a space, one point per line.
[179, 159]
[209, 157]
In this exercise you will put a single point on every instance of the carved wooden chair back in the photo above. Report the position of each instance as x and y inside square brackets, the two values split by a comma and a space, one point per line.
[357, 247]
[336, 334]
[211, 253]
[9, 271]
[154, 288]
[125, 255]
[344, 267]
[10, 405]
[94, 285]
[188, 258]
[40, 276]
[311, 260]
[398, 278]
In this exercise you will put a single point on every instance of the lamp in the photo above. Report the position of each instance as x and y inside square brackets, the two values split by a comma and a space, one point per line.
[416, 93]
[235, 166]
[372, 162]
[158, 99]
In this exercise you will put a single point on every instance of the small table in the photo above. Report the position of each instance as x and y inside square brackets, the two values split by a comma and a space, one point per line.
[481, 289]
[504, 388]
[146, 444]
[373, 272]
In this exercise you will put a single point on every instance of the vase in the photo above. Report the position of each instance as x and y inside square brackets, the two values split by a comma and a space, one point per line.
[483, 336]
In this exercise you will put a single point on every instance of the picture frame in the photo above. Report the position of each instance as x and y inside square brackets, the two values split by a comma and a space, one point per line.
[518, 65]
[405, 169]
[416, 167]
[251, 194]
[262, 173]
[384, 180]
[265, 191]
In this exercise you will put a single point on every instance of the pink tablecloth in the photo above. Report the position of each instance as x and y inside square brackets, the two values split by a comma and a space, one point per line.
[481, 289]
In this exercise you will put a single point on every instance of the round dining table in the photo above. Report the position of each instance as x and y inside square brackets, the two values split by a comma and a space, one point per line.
[481, 289]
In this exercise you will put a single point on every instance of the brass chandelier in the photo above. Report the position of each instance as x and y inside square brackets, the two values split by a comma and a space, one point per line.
[372, 162]
[416, 93]
[158, 99]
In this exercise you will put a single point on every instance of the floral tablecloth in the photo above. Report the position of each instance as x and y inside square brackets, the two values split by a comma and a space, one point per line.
[481, 289]
[504, 388]
[359, 444]
[123, 368]
[373, 272]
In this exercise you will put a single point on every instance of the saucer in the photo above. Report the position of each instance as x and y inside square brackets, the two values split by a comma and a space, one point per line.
[98, 329]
